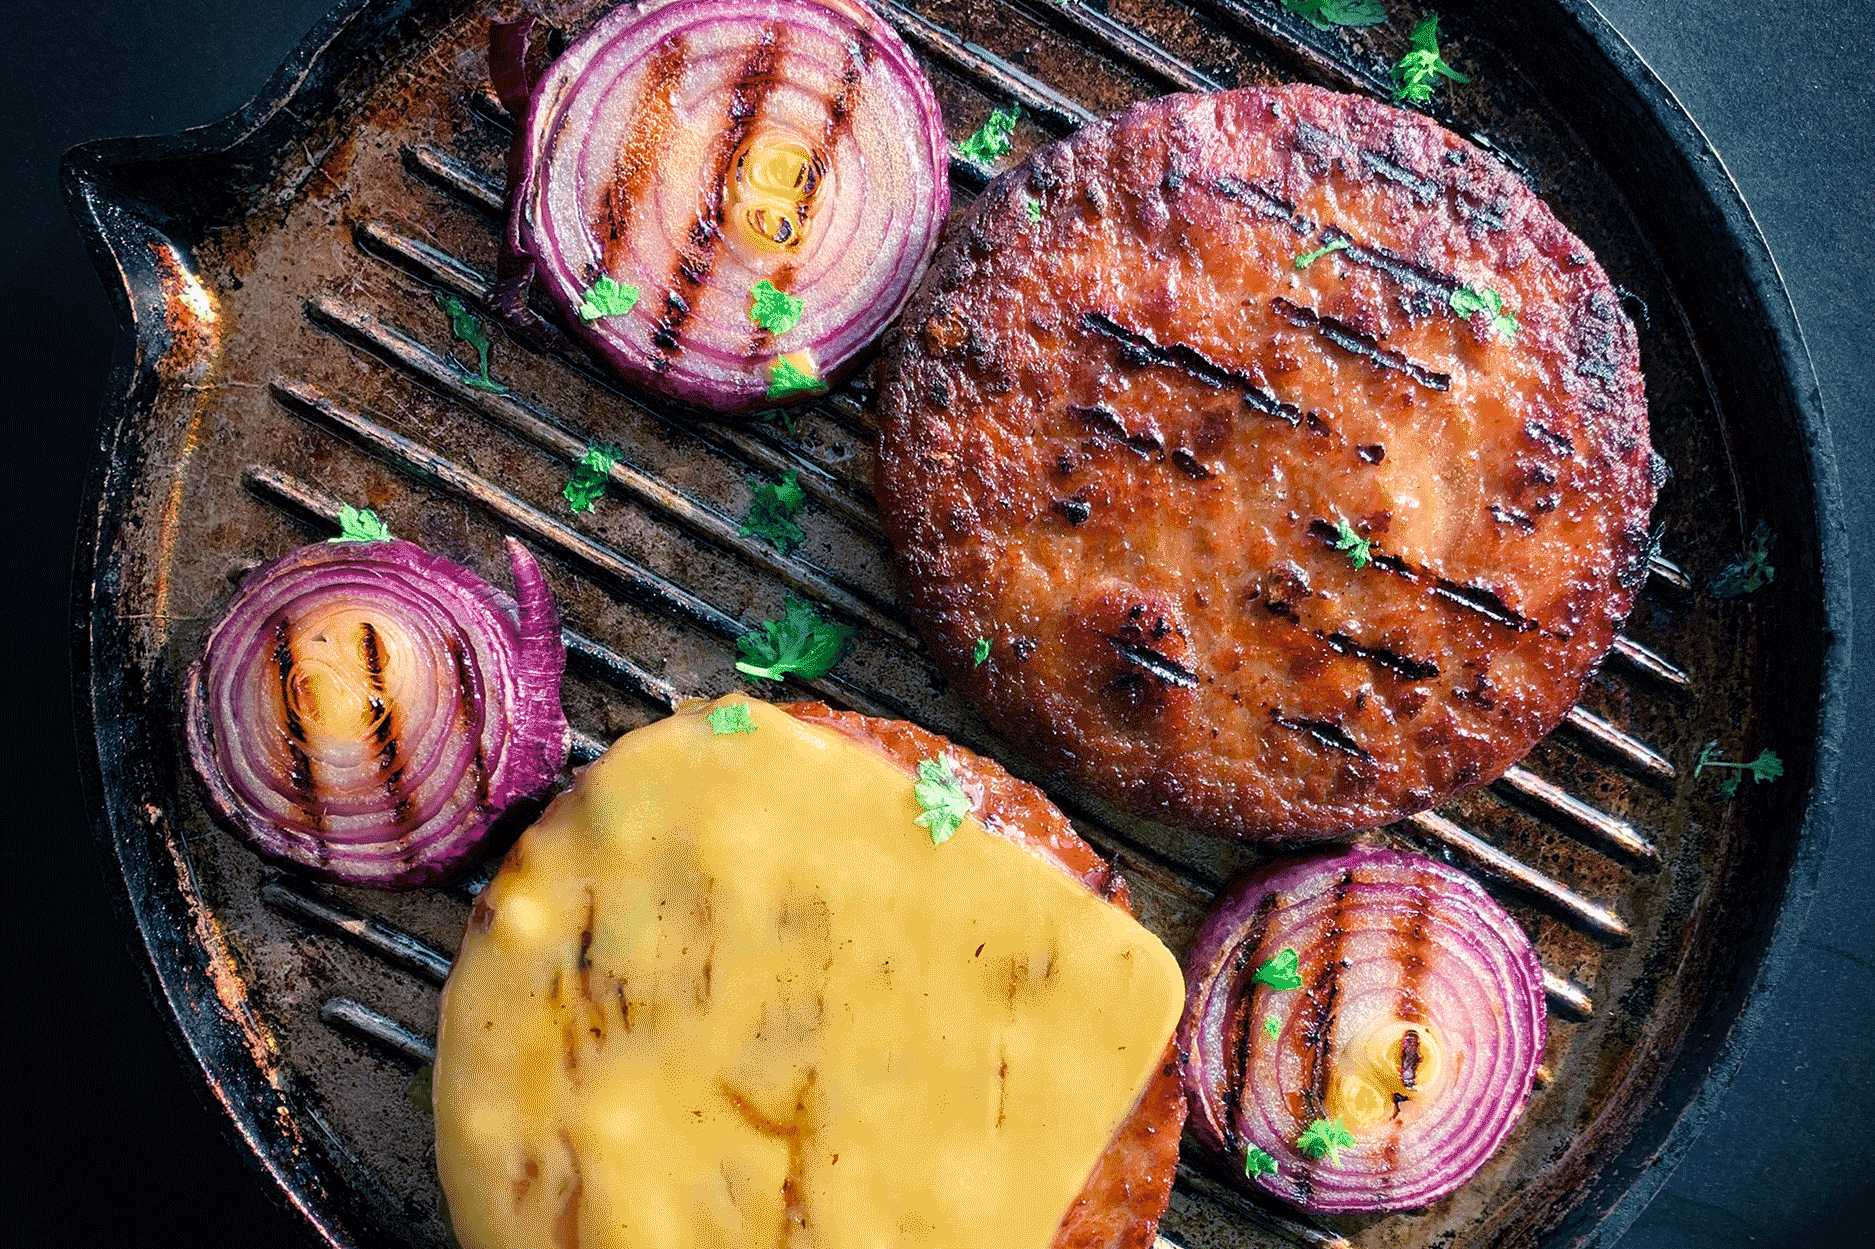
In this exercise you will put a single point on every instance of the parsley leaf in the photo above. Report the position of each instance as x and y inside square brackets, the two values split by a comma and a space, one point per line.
[1035, 210]
[1468, 300]
[1281, 972]
[775, 310]
[1359, 549]
[786, 378]
[360, 524]
[942, 796]
[800, 643]
[731, 718]
[993, 138]
[1766, 767]
[1271, 1026]
[1418, 71]
[1328, 14]
[980, 653]
[1750, 571]
[463, 325]
[1256, 1162]
[1308, 258]
[771, 513]
[587, 484]
[607, 297]
[1326, 1138]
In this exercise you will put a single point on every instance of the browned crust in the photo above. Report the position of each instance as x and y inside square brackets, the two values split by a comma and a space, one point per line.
[1115, 441]
[1120, 1205]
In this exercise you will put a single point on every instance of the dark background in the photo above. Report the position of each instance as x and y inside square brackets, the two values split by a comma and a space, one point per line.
[108, 1138]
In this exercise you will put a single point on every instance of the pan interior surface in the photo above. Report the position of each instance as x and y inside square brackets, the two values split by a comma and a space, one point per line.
[281, 274]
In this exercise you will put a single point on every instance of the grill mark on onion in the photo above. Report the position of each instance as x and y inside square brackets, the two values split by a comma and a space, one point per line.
[651, 126]
[1321, 995]
[1238, 1034]
[299, 772]
[1412, 952]
[466, 715]
[1143, 349]
[390, 749]
[696, 258]
[1334, 330]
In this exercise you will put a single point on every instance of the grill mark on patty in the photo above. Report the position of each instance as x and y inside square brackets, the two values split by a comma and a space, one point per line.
[299, 767]
[1472, 598]
[696, 257]
[651, 125]
[1156, 664]
[1323, 732]
[1264, 202]
[1403, 272]
[1345, 336]
[1106, 423]
[1237, 1030]
[1408, 667]
[1143, 349]
[1322, 995]
[385, 730]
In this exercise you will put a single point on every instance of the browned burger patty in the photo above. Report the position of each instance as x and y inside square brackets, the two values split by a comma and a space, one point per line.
[1122, 1201]
[1132, 445]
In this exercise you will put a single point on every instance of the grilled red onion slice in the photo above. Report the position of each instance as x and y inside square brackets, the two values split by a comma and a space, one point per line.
[680, 154]
[1418, 1026]
[365, 710]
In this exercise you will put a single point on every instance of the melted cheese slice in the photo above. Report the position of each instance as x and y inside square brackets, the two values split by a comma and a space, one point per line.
[727, 993]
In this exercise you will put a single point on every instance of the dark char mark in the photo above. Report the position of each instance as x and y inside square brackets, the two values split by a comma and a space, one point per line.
[1105, 422]
[1408, 667]
[1349, 339]
[389, 748]
[1325, 733]
[1142, 349]
[1163, 667]
[468, 714]
[1322, 994]
[299, 771]
[1238, 1032]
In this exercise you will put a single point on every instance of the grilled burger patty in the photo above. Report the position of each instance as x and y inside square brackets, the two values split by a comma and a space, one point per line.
[1277, 549]
[1120, 1205]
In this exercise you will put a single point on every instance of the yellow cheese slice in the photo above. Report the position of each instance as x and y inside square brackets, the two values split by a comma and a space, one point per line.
[727, 993]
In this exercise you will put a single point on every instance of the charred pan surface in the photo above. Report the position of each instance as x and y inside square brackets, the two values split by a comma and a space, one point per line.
[1118, 441]
[1120, 1205]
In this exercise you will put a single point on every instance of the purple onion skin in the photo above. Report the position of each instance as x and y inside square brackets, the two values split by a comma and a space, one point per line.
[1424, 943]
[690, 338]
[412, 800]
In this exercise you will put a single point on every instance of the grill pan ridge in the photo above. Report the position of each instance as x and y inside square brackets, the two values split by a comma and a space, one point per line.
[284, 355]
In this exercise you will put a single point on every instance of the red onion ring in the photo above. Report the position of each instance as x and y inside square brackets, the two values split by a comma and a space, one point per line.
[693, 149]
[1386, 942]
[365, 710]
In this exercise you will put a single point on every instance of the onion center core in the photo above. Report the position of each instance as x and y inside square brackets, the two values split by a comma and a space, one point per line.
[771, 202]
[334, 679]
[1392, 1069]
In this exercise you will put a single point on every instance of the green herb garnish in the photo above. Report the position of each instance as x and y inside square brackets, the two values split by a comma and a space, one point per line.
[731, 718]
[463, 325]
[980, 652]
[1328, 14]
[771, 513]
[1271, 1026]
[1468, 300]
[1419, 70]
[774, 310]
[1359, 549]
[608, 297]
[360, 524]
[1256, 1162]
[942, 797]
[586, 486]
[1766, 767]
[1308, 258]
[1281, 972]
[786, 378]
[800, 643]
[993, 137]
[1035, 210]
[1326, 1138]
[1750, 571]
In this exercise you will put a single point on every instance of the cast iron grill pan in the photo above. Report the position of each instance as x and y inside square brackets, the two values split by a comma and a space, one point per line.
[280, 275]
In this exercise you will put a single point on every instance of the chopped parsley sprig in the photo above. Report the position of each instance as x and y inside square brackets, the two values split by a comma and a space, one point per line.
[774, 310]
[1281, 971]
[1469, 300]
[1256, 1162]
[800, 643]
[586, 485]
[731, 718]
[360, 524]
[608, 297]
[993, 138]
[1328, 14]
[1326, 1138]
[1751, 571]
[1419, 70]
[1308, 258]
[786, 379]
[941, 796]
[1766, 767]
[1359, 549]
[772, 510]
[464, 326]
[980, 653]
